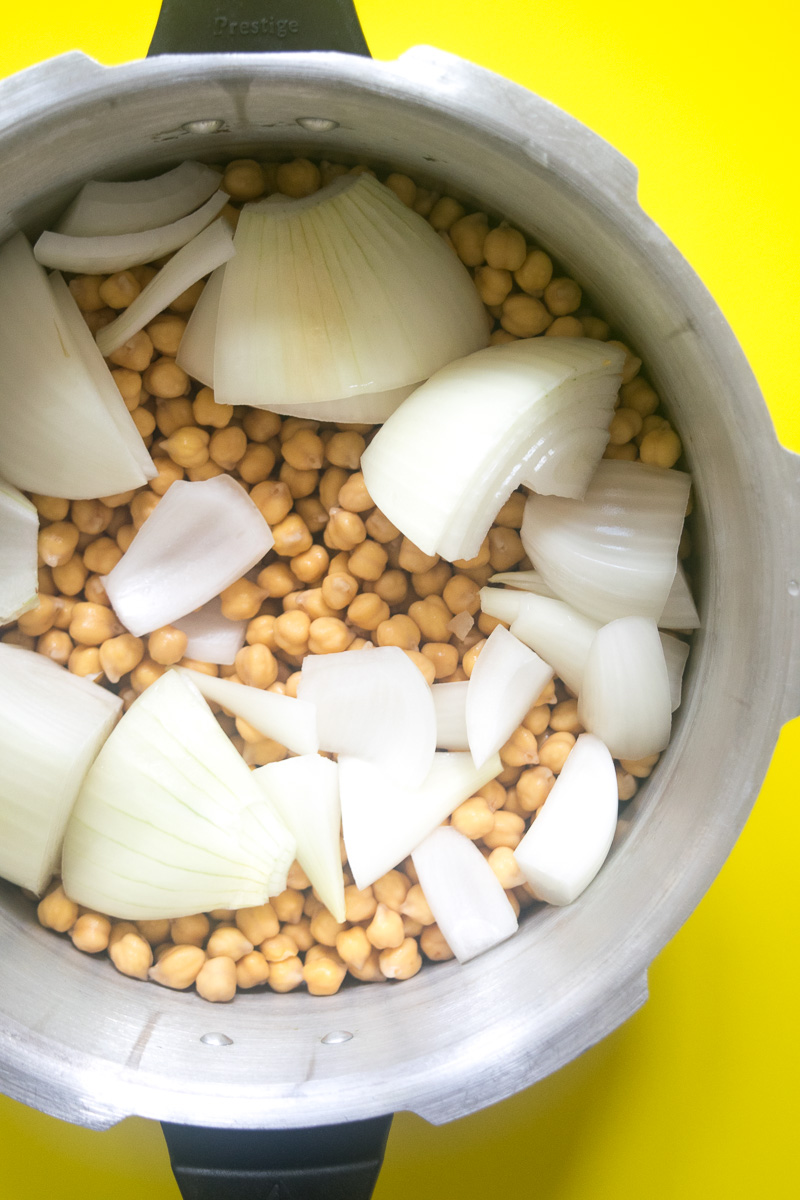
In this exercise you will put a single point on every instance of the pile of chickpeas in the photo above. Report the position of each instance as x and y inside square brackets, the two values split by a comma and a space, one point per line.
[340, 576]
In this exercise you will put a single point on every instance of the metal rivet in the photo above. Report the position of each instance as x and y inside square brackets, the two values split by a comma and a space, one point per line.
[794, 587]
[317, 124]
[336, 1037]
[206, 125]
[216, 1039]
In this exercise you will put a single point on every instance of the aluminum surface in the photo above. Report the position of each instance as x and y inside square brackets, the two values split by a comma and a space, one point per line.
[81, 1042]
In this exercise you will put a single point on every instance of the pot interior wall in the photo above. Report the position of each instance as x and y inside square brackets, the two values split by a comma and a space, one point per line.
[81, 1041]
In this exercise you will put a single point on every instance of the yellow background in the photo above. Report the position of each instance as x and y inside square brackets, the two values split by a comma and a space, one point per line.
[696, 1097]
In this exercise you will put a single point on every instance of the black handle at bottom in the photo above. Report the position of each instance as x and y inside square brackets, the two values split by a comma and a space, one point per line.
[328, 1162]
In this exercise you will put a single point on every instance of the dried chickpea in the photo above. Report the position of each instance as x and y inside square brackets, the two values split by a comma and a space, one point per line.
[86, 292]
[92, 624]
[562, 296]
[288, 905]
[206, 411]
[38, 620]
[345, 530]
[564, 717]
[277, 580]
[367, 611]
[178, 967]
[57, 911]
[90, 516]
[165, 380]
[353, 494]
[385, 930]
[119, 290]
[57, 543]
[240, 601]
[187, 299]
[462, 594]
[507, 830]
[432, 617]
[130, 953]
[260, 425]
[627, 786]
[391, 889]
[324, 927]
[279, 947]
[175, 414]
[146, 673]
[256, 463]
[256, 666]
[324, 974]
[188, 446]
[292, 631]
[228, 941]
[339, 590]
[505, 548]
[524, 315]
[444, 213]
[353, 946]
[411, 558]
[304, 450]
[312, 511]
[142, 505]
[252, 970]
[554, 750]
[392, 587]
[593, 327]
[190, 931]
[443, 656]
[292, 536]
[329, 635]
[360, 903]
[91, 932]
[299, 483]
[537, 719]
[165, 332]
[286, 975]
[521, 749]
[345, 450]
[55, 644]
[368, 561]
[474, 818]
[119, 655]
[167, 645]
[311, 564]
[227, 446]
[259, 754]
[216, 980]
[135, 354]
[570, 327]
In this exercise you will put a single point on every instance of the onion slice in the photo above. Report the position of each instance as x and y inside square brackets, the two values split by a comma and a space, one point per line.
[340, 293]
[558, 634]
[568, 842]
[292, 723]
[116, 252]
[104, 207]
[212, 638]
[304, 792]
[450, 703]
[196, 351]
[676, 653]
[505, 682]
[680, 611]
[19, 529]
[382, 821]
[61, 435]
[203, 254]
[52, 724]
[201, 538]
[463, 893]
[530, 399]
[169, 821]
[368, 408]
[626, 699]
[525, 581]
[375, 705]
[612, 554]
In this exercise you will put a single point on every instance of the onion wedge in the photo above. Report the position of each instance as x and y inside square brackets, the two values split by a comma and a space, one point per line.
[530, 399]
[19, 529]
[103, 207]
[169, 821]
[505, 681]
[196, 351]
[116, 252]
[304, 792]
[614, 553]
[568, 841]
[383, 821]
[463, 893]
[201, 538]
[679, 611]
[626, 698]
[450, 702]
[374, 705]
[558, 634]
[676, 653]
[291, 722]
[53, 724]
[212, 637]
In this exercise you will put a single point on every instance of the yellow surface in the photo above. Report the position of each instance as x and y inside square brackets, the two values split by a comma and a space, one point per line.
[696, 1097]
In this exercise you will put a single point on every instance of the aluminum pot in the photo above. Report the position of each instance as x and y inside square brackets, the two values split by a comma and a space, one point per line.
[571, 975]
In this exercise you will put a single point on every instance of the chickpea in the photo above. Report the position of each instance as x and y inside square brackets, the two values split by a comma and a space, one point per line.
[537, 719]
[367, 611]
[216, 980]
[639, 396]
[504, 248]
[627, 785]
[474, 818]
[227, 446]
[228, 941]
[57, 911]
[92, 624]
[468, 235]
[353, 946]
[190, 931]
[391, 889]
[179, 966]
[339, 590]
[385, 930]
[562, 296]
[175, 414]
[423, 664]
[329, 635]
[402, 962]
[631, 364]
[471, 656]
[155, 932]
[535, 272]
[57, 543]
[444, 213]
[524, 316]
[304, 450]
[256, 463]
[256, 666]
[640, 768]
[392, 587]
[86, 291]
[324, 927]
[564, 717]
[188, 446]
[443, 656]
[353, 494]
[432, 616]
[345, 450]
[55, 644]
[380, 528]
[345, 530]
[521, 749]
[119, 656]
[292, 631]
[146, 673]
[252, 970]
[129, 951]
[260, 425]
[165, 332]
[299, 483]
[311, 564]
[360, 903]
[404, 188]
[433, 945]
[292, 536]
[553, 752]
[277, 580]
[240, 601]
[288, 905]
[135, 354]
[286, 975]
[259, 754]
[462, 594]
[593, 327]
[507, 830]
[298, 178]
[243, 180]
[165, 380]
[90, 933]
[280, 947]
[38, 620]
[661, 447]
[324, 974]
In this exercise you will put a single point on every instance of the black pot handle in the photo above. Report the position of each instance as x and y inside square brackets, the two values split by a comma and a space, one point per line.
[329, 1162]
[240, 26]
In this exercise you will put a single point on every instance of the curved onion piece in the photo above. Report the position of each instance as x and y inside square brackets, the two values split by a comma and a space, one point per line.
[526, 581]
[116, 252]
[505, 682]
[201, 538]
[612, 554]
[375, 705]
[450, 702]
[676, 653]
[568, 842]
[169, 821]
[203, 254]
[212, 637]
[463, 893]
[103, 207]
[304, 792]
[528, 398]
[558, 634]
[382, 820]
[196, 351]
[52, 724]
[680, 611]
[368, 408]
[62, 435]
[626, 699]
[19, 529]
[341, 293]
[291, 722]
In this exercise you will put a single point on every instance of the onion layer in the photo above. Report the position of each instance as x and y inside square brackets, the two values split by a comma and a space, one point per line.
[505, 681]
[558, 634]
[103, 207]
[292, 723]
[19, 529]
